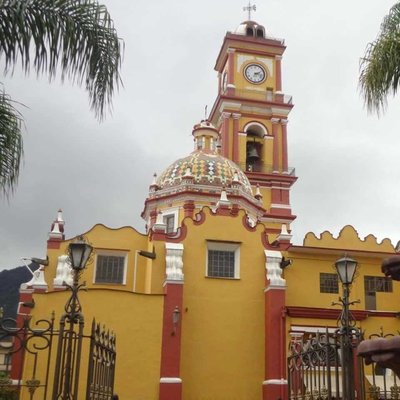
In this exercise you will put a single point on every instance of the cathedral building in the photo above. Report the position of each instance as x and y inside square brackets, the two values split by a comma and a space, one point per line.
[206, 302]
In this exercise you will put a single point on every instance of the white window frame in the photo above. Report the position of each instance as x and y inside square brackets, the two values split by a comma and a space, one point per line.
[115, 254]
[171, 212]
[224, 246]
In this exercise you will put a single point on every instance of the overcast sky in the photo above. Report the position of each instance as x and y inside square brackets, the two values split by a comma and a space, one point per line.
[347, 161]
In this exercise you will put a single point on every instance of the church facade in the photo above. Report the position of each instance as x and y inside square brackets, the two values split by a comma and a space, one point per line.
[206, 302]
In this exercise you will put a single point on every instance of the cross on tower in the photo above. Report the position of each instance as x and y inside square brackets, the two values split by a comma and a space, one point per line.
[249, 8]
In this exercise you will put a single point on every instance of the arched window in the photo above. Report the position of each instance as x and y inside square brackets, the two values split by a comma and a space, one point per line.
[249, 31]
[254, 146]
[260, 32]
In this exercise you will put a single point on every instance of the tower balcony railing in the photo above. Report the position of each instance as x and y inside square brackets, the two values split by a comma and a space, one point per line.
[261, 95]
[266, 169]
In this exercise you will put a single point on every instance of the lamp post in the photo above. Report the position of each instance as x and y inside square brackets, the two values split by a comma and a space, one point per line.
[346, 268]
[66, 376]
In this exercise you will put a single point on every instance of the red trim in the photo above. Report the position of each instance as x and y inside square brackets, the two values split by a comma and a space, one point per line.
[17, 360]
[235, 144]
[275, 155]
[278, 75]
[233, 197]
[225, 136]
[200, 217]
[171, 342]
[246, 224]
[275, 343]
[189, 208]
[54, 243]
[285, 166]
[329, 313]
[231, 67]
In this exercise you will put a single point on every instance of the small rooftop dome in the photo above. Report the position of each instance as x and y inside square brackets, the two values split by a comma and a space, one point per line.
[250, 28]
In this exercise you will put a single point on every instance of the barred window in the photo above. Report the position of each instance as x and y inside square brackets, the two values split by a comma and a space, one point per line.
[110, 269]
[378, 284]
[221, 263]
[328, 283]
[169, 221]
[222, 260]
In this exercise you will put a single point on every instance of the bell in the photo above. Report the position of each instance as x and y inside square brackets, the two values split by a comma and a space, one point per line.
[252, 153]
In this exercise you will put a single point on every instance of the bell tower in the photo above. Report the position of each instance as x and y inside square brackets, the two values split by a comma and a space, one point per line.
[251, 114]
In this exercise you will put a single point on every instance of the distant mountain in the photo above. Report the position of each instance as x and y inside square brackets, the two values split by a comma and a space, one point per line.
[10, 281]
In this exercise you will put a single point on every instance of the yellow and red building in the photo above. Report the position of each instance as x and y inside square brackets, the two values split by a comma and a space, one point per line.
[205, 303]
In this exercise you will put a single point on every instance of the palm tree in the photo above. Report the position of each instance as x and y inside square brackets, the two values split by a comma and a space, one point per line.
[380, 66]
[75, 37]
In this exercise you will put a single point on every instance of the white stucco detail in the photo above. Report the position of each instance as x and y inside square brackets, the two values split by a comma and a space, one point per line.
[284, 235]
[170, 380]
[37, 281]
[275, 382]
[173, 261]
[63, 272]
[273, 260]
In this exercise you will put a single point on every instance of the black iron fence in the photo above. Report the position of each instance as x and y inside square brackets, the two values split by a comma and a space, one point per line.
[31, 368]
[315, 370]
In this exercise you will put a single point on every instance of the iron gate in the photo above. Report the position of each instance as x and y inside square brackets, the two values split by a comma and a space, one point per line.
[25, 349]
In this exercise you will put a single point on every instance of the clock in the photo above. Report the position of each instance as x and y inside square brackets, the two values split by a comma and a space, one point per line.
[255, 73]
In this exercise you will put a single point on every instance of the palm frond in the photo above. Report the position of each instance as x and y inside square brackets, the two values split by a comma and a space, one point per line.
[380, 66]
[10, 144]
[76, 35]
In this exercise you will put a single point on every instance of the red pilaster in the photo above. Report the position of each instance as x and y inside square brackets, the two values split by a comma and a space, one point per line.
[285, 166]
[225, 134]
[275, 383]
[275, 153]
[17, 361]
[231, 65]
[189, 208]
[170, 381]
[235, 144]
[278, 60]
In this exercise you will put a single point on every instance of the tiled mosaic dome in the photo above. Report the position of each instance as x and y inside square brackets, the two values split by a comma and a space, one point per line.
[207, 168]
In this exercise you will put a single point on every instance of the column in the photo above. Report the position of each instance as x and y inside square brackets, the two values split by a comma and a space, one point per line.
[170, 381]
[275, 153]
[225, 134]
[231, 65]
[278, 79]
[235, 144]
[285, 167]
[275, 383]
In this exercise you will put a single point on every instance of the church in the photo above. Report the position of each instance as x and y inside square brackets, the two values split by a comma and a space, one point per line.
[206, 302]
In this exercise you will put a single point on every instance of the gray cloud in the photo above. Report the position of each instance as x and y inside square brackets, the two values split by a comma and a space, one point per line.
[346, 160]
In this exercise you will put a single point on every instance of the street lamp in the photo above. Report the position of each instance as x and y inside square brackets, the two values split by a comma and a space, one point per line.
[66, 376]
[346, 269]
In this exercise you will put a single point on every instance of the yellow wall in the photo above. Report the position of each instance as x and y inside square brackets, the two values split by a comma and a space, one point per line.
[241, 83]
[136, 320]
[223, 340]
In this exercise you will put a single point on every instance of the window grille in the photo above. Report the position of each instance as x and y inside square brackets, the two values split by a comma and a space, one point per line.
[110, 269]
[328, 283]
[221, 263]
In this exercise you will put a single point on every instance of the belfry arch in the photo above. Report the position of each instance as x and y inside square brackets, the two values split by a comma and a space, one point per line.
[255, 133]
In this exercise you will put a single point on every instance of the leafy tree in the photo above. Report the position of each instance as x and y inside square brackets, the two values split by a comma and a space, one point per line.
[380, 66]
[75, 37]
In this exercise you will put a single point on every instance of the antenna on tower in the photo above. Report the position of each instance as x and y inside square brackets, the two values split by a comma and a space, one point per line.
[249, 8]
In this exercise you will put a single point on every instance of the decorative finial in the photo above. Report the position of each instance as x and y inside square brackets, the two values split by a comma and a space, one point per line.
[249, 8]
[205, 113]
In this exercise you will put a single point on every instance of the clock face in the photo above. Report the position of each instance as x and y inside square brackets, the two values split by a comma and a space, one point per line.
[255, 73]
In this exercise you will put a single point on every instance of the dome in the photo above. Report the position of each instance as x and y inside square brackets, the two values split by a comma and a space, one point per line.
[206, 168]
[250, 28]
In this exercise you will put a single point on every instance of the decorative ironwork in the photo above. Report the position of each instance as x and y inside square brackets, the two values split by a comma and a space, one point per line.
[30, 344]
[101, 363]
